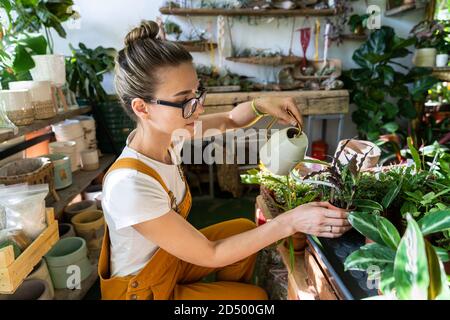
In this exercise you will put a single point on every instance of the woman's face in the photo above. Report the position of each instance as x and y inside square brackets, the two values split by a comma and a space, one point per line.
[177, 84]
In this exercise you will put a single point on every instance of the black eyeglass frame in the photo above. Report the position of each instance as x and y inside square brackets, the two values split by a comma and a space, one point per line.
[185, 104]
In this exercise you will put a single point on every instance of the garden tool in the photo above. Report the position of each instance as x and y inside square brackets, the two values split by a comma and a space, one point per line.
[285, 148]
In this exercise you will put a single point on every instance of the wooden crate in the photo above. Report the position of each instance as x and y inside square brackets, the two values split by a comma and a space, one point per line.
[309, 102]
[14, 271]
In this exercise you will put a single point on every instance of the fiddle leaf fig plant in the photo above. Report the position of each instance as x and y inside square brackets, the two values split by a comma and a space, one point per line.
[383, 95]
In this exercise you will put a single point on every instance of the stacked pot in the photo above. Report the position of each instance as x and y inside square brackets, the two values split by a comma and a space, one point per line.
[67, 148]
[88, 124]
[71, 130]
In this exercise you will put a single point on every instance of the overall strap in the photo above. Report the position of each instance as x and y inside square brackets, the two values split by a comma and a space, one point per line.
[131, 163]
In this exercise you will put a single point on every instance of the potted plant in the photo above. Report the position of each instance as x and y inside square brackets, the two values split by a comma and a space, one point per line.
[85, 70]
[443, 44]
[172, 29]
[407, 267]
[426, 34]
[358, 23]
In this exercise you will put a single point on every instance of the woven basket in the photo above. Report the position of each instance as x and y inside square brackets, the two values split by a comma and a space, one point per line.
[30, 171]
[442, 73]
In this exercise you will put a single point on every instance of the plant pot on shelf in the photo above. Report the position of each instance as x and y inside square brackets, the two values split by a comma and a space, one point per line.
[68, 253]
[441, 60]
[41, 272]
[34, 289]
[49, 67]
[298, 243]
[90, 225]
[66, 230]
[79, 207]
[424, 57]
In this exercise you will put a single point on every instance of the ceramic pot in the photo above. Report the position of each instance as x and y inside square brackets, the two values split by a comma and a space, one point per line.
[79, 207]
[41, 272]
[67, 260]
[90, 225]
[35, 289]
[66, 230]
[41, 97]
[62, 170]
[298, 241]
[18, 107]
[284, 150]
[89, 160]
[49, 67]
[425, 57]
[441, 60]
[68, 148]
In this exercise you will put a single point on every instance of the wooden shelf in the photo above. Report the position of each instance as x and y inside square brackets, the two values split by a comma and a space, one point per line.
[196, 46]
[269, 61]
[442, 73]
[86, 284]
[40, 124]
[81, 180]
[400, 9]
[248, 12]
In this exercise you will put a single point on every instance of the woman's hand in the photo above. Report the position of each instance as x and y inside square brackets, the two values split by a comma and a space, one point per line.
[282, 108]
[318, 218]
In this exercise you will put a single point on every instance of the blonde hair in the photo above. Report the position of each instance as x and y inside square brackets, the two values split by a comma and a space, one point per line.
[138, 63]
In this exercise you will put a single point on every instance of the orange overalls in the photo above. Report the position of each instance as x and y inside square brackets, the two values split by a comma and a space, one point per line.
[167, 277]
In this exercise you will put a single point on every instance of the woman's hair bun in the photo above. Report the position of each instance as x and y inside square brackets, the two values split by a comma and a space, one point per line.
[146, 30]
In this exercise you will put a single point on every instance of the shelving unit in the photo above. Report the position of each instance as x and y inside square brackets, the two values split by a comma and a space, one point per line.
[269, 61]
[40, 124]
[307, 12]
[81, 180]
[400, 9]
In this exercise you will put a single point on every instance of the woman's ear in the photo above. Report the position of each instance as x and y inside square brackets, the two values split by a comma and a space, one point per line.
[140, 108]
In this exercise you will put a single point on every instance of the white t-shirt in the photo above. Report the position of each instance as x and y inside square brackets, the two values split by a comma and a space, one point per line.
[130, 198]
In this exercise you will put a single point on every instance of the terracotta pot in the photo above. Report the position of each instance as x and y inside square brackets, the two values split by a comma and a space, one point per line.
[66, 230]
[41, 272]
[66, 256]
[79, 207]
[298, 241]
[34, 289]
[90, 225]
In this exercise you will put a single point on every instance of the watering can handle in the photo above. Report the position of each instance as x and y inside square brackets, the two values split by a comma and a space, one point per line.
[274, 119]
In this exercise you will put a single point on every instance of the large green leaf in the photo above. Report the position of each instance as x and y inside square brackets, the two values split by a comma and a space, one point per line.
[392, 194]
[6, 4]
[411, 266]
[391, 127]
[387, 280]
[437, 221]
[37, 44]
[22, 60]
[388, 232]
[434, 271]
[367, 205]
[368, 256]
[406, 108]
[366, 224]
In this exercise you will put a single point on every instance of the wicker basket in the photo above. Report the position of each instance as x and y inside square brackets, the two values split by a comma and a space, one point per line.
[442, 73]
[30, 171]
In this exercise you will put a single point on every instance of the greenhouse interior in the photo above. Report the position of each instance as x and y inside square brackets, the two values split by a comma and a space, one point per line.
[270, 150]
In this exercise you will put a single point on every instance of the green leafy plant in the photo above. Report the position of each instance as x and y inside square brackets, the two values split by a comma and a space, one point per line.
[173, 28]
[432, 34]
[358, 23]
[85, 70]
[210, 77]
[409, 266]
[384, 96]
[37, 15]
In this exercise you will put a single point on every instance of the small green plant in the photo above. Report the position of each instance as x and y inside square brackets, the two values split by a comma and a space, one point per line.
[409, 267]
[85, 70]
[173, 28]
[358, 23]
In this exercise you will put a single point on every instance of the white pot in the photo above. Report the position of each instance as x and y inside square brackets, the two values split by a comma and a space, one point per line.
[41, 97]
[425, 57]
[284, 151]
[441, 60]
[49, 67]
[17, 105]
[89, 160]
[68, 148]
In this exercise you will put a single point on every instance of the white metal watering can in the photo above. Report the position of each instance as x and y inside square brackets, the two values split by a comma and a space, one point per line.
[284, 150]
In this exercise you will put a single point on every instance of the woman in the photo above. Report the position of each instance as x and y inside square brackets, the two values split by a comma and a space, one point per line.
[150, 251]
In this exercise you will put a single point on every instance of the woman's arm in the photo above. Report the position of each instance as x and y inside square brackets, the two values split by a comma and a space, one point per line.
[175, 235]
[243, 116]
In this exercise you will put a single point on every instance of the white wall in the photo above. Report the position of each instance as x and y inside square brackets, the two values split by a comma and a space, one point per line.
[106, 22]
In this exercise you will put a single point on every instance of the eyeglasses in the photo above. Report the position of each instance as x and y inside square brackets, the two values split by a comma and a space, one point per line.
[189, 106]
